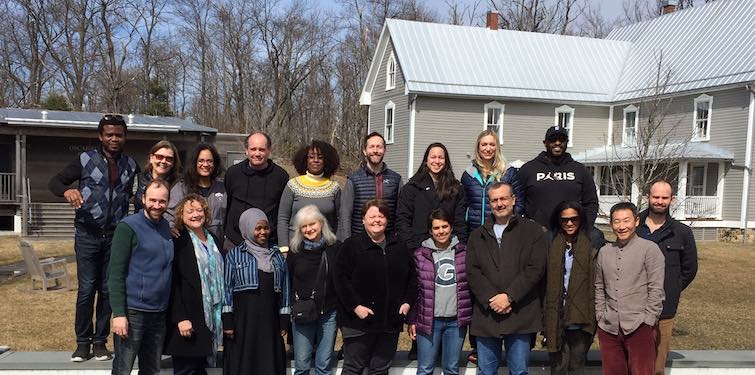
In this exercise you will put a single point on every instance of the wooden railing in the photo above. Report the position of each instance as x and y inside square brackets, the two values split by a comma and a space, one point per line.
[8, 187]
[701, 207]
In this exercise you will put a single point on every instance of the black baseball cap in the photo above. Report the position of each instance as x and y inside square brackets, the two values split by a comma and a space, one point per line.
[554, 131]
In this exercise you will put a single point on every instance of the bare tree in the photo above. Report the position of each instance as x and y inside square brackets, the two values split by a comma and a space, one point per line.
[555, 17]
[654, 149]
[67, 29]
[460, 13]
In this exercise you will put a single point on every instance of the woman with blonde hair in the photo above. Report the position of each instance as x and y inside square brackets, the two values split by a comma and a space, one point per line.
[311, 261]
[195, 329]
[488, 167]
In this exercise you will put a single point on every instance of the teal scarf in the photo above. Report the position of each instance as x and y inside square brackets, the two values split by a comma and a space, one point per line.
[210, 265]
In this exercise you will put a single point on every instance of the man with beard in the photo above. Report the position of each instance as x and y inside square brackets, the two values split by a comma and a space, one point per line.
[105, 180]
[553, 177]
[139, 280]
[678, 245]
[372, 180]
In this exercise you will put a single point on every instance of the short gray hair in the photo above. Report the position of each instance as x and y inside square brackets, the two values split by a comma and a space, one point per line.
[306, 214]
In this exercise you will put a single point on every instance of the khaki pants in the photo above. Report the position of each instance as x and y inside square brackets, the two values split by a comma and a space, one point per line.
[665, 326]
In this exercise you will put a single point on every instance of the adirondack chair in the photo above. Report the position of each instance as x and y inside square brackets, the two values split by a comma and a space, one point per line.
[50, 272]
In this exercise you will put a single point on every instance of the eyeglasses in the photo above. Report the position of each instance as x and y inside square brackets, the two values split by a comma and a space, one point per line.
[205, 161]
[572, 219]
[168, 159]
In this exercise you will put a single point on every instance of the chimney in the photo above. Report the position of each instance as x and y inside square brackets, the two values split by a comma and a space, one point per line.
[493, 20]
[44, 115]
[130, 118]
[668, 6]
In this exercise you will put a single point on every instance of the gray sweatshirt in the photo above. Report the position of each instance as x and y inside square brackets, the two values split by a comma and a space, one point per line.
[445, 278]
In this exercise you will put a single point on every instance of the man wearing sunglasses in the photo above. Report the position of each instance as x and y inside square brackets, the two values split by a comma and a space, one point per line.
[105, 180]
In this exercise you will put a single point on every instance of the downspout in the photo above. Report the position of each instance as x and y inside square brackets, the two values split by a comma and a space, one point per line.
[748, 164]
[412, 115]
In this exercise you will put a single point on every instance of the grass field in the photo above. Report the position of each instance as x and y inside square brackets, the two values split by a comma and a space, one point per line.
[715, 312]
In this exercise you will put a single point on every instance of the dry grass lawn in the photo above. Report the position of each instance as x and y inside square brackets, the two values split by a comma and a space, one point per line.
[715, 312]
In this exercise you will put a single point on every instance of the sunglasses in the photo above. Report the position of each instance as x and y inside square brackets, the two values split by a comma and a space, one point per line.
[572, 219]
[112, 116]
[168, 159]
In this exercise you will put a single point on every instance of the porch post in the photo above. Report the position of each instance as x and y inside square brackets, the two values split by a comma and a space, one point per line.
[17, 182]
[720, 191]
[635, 193]
[25, 189]
[596, 177]
[681, 191]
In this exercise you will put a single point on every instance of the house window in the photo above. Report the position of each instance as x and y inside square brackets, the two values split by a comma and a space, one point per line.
[565, 119]
[616, 180]
[390, 114]
[390, 74]
[702, 118]
[697, 180]
[494, 119]
[629, 134]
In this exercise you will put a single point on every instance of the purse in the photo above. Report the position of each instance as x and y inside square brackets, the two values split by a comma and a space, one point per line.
[305, 310]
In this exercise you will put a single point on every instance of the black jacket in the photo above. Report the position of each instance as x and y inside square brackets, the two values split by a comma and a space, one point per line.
[186, 302]
[415, 202]
[678, 246]
[381, 280]
[246, 188]
[546, 184]
[516, 267]
[303, 266]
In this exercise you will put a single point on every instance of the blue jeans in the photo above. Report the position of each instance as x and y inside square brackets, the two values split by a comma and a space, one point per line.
[447, 335]
[517, 353]
[319, 338]
[92, 257]
[146, 335]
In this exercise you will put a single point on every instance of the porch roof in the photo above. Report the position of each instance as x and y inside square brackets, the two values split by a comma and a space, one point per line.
[613, 154]
[90, 120]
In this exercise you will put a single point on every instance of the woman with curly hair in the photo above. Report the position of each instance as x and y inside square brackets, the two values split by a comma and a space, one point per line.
[316, 164]
[201, 178]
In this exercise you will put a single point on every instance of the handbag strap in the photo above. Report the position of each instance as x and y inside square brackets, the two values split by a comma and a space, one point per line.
[323, 262]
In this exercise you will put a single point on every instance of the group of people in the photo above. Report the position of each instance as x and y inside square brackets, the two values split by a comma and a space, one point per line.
[208, 266]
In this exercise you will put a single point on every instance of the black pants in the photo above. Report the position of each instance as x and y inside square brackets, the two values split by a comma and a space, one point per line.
[570, 360]
[189, 365]
[371, 351]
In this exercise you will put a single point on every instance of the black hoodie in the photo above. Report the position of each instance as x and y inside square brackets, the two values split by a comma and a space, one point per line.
[548, 183]
[246, 188]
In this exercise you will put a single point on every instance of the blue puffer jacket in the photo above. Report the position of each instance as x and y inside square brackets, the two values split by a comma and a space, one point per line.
[478, 208]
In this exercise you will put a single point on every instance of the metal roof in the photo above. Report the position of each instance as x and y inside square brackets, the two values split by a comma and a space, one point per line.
[677, 151]
[90, 120]
[476, 61]
[704, 47]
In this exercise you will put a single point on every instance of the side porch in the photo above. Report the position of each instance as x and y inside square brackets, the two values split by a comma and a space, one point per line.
[696, 171]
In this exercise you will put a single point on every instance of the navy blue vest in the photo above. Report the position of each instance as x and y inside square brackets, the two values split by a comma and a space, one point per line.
[103, 206]
[365, 188]
[150, 266]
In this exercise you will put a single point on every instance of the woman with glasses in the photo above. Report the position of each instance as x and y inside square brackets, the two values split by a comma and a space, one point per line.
[569, 315]
[201, 177]
[163, 163]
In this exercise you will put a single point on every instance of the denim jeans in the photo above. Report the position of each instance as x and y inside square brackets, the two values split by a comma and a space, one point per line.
[446, 335]
[92, 258]
[146, 335]
[319, 338]
[517, 353]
